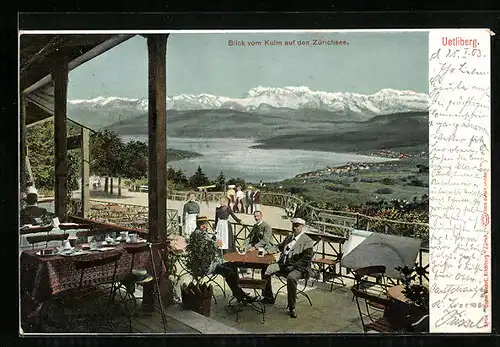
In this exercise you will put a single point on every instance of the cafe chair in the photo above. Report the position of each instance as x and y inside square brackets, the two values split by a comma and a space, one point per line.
[37, 239]
[255, 284]
[90, 290]
[362, 283]
[300, 289]
[368, 322]
[142, 277]
[327, 267]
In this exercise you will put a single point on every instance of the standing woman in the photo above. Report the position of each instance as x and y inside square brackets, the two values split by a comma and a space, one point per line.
[223, 230]
[256, 200]
[190, 212]
[239, 200]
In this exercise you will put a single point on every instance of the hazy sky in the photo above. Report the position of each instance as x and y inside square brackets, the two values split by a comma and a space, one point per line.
[205, 63]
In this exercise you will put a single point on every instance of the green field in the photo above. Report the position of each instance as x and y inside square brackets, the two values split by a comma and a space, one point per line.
[359, 187]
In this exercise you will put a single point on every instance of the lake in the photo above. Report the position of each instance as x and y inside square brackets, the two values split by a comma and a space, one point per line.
[235, 158]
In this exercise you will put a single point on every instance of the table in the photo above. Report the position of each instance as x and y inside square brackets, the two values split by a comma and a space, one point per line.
[250, 259]
[396, 293]
[43, 277]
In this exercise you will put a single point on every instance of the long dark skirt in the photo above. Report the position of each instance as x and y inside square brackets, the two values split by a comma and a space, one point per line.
[231, 246]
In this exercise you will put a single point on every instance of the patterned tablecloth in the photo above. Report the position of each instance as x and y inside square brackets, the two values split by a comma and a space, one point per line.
[43, 277]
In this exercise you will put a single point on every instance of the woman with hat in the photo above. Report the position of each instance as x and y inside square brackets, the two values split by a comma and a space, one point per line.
[190, 211]
[230, 196]
[239, 200]
[223, 230]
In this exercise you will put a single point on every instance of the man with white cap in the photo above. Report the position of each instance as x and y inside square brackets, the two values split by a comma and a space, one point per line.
[294, 264]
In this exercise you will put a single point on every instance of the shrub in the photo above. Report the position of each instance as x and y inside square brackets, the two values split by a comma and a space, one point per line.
[384, 191]
[388, 181]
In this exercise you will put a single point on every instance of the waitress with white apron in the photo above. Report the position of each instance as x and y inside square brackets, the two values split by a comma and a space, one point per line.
[190, 211]
[223, 230]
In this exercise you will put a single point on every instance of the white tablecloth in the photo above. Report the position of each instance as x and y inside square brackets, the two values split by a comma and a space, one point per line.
[23, 242]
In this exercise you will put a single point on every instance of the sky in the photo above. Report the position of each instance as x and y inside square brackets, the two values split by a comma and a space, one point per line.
[206, 63]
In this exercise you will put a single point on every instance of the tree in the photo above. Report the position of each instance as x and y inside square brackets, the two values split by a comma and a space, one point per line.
[220, 182]
[237, 182]
[176, 176]
[40, 143]
[198, 179]
[133, 162]
[105, 155]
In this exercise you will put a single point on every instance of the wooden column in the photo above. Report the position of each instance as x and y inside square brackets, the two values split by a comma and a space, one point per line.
[157, 147]
[60, 78]
[22, 148]
[157, 113]
[85, 171]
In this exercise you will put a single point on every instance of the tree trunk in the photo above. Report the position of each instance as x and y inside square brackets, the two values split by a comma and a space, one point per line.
[119, 186]
[111, 185]
[106, 179]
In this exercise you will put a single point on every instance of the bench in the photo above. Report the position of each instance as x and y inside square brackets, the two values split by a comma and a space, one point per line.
[337, 219]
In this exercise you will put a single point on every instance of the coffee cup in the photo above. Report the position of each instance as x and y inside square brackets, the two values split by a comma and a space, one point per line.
[123, 235]
[133, 237]
[260, 252]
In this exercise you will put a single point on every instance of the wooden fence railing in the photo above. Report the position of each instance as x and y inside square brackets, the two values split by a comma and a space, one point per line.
[128, 215]
[328, 237]
[328, 221]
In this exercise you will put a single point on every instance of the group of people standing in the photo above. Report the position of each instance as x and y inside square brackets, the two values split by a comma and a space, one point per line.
[223, 229]
[234, 202]
[243, 201]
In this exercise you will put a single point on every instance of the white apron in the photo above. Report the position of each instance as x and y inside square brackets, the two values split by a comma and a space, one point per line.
[222, 233]
[189, 224]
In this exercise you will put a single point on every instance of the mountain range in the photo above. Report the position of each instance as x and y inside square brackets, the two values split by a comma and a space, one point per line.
[383, 101]
[288, 117]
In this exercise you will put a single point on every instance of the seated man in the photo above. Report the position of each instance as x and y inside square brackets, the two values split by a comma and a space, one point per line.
[261, 234]
[228, 271]
[32, 211]
[294, 264]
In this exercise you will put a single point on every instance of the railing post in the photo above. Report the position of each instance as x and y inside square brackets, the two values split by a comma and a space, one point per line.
[357, 220]
[420, 264]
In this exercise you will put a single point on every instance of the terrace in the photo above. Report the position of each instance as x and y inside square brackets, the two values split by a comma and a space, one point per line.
[45, 62]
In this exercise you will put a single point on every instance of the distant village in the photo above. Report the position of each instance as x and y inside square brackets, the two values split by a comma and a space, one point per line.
[352, 168]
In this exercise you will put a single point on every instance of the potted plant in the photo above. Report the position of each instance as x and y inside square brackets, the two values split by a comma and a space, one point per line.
[417, 294]
[201, 253]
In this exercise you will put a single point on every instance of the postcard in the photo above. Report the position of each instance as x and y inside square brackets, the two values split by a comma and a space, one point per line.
[353, 165]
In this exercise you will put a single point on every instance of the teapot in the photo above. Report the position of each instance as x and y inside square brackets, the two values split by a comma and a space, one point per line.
[66, 244]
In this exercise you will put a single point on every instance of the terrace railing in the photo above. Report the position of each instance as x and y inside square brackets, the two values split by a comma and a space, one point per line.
[330, 227]
[128, 215]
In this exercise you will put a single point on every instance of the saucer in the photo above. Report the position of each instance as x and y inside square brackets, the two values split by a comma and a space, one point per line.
[138, 241]
[113, 243]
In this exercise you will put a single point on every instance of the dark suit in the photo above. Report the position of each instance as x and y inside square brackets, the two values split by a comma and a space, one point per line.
[249, 202]
[295, 266]
[28, 214]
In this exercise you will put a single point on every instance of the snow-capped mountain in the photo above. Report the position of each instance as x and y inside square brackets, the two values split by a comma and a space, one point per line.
[382, 102]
